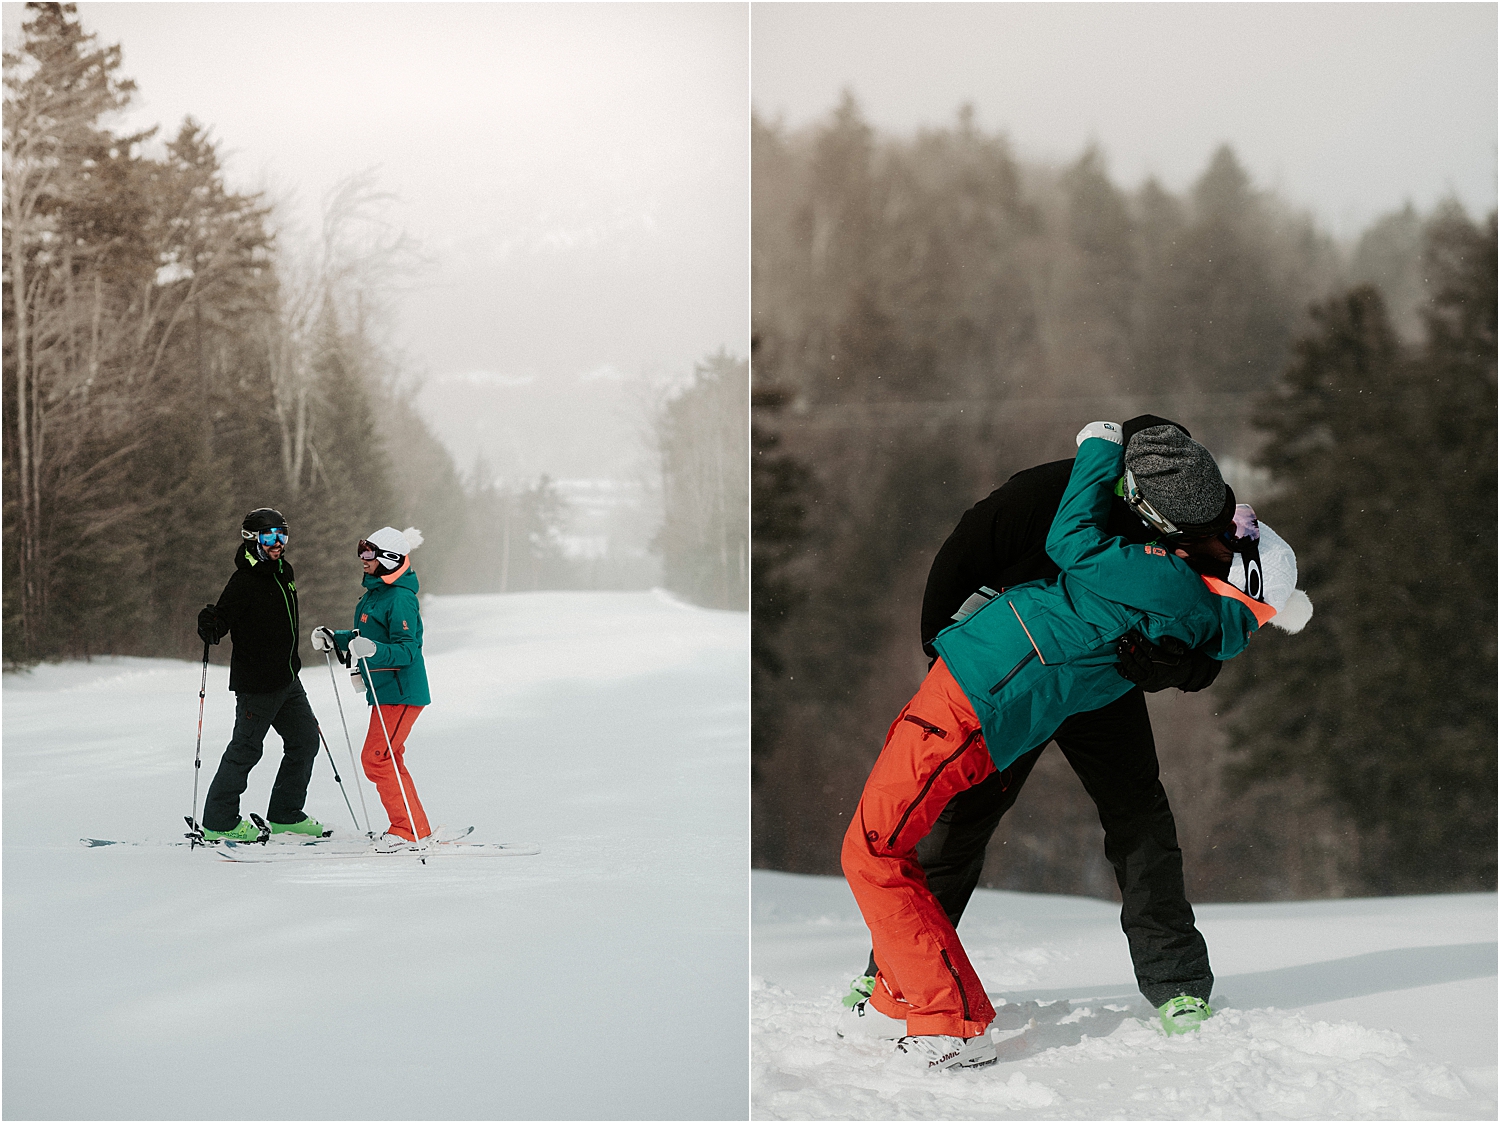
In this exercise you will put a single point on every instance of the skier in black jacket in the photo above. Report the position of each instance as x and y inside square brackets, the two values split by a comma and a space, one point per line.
[258, 607]
[1000, 542]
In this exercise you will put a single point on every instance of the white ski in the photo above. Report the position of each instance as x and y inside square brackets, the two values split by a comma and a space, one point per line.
[250, 852]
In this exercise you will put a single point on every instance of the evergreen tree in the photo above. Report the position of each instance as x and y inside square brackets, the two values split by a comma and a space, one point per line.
[1387, 701]
[57, 88]
[162, 377]
[1388, 257]
[779, 496]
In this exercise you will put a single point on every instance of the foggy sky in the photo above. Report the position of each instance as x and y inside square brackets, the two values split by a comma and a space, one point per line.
[1347, 109]
[577, 176]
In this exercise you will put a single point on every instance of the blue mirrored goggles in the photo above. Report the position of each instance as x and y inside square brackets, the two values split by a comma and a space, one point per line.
[275, 536]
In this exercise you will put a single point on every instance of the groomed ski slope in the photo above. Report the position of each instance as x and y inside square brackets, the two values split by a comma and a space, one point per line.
[153, 983]
[1357, 1009]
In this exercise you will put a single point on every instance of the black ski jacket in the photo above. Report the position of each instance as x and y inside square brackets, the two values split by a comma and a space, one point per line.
[260, 606]
[1002, 541]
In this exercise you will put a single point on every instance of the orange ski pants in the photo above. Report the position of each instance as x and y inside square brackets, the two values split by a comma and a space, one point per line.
[377, 761]
[934, 750]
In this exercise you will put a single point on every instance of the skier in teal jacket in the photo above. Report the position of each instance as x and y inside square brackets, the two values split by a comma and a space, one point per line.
[1016, 664]
[1054, 641]
[385, 648]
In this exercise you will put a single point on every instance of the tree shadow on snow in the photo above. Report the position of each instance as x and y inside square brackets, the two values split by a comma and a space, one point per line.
[1358, 975]
[1286, 988]
[1053, 1024]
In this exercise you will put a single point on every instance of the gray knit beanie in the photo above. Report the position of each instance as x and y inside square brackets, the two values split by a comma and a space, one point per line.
[1176, 474]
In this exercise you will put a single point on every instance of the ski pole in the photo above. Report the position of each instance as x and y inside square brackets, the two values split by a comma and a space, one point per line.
[336, 778]
[389, 748]
[196, 834]
[328, 657]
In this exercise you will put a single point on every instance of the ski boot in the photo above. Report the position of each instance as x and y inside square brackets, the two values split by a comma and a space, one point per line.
[395, 844]
[243, 831]
[308, 826]
[935, 1051]
[859, 991]
[1183, 1014]
[859, 1019]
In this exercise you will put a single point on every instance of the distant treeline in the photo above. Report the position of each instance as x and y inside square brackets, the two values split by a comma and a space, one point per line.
[703, 434]
[931, 315]
[171, 362]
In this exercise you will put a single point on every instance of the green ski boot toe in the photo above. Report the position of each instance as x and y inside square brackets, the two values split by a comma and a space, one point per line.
[859, 991]
[308, 825]
[1184, 1014]
[243, 831]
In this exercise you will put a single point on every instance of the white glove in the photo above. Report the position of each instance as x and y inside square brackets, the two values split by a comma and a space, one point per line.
[361, 647]
[1106, 429]
[322, 639]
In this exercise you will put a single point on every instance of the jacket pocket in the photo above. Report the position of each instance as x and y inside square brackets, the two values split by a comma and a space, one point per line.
[1028, 657]
[928, 729]
[1056, 632]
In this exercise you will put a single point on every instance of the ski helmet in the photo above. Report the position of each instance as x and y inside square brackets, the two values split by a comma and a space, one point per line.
[263, 518]
[260, 521]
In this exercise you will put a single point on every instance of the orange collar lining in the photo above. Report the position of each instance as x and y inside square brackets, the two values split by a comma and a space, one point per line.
[1263, 612]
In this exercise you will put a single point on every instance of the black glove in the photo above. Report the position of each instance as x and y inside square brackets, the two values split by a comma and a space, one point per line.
[1153, 666]
[211, 625]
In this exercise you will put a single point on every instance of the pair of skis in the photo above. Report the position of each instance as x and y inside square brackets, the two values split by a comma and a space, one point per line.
[305, 848]
[314, 849]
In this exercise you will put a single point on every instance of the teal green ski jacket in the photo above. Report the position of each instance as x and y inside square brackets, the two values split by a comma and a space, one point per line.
[1042, 651]
[388, 614]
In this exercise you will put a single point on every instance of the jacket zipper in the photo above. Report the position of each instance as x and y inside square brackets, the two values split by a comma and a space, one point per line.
[1028, 657]
[928, 729]
[962, 997]
[277, 578]
[927, 787]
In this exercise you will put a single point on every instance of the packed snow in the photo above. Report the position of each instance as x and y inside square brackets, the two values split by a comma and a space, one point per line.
[604, 978]
[1353, 1009]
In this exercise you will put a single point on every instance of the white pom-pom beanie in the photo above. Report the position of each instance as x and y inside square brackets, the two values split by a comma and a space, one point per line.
[1278, 580]
[394, 541]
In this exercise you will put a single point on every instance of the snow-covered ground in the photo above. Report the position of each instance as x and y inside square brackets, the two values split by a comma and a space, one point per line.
[604, 978]
[1358, 1009]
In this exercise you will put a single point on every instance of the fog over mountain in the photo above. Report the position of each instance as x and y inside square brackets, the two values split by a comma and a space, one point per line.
[573, 177]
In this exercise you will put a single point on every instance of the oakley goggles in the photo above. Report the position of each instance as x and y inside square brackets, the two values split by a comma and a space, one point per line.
[368, 551]
[272, 536]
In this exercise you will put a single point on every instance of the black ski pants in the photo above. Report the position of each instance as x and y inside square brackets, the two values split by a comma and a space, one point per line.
[1114, 754]
[288, 712]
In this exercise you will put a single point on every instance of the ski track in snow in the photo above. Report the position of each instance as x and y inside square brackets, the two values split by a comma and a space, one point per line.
[611, 728]
[1070, 1050]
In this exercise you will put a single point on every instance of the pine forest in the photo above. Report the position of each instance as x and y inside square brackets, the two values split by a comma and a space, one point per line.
[933, 314]
[172, 359]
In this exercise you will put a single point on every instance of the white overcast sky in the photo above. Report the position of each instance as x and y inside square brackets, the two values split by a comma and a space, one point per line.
[1348, 109]
[577, 174]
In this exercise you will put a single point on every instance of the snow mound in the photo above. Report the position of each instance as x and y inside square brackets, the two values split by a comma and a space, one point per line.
[1073, 1049]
